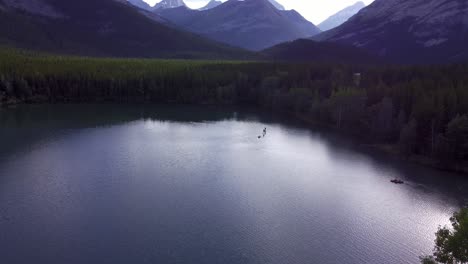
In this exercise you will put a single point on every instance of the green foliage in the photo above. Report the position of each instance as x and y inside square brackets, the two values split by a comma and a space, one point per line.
[427, 260]
[347, 106]
[457, 135]
[22, 89]
[408, 138]
[451, 244]
[6, 89]
[226, 93]
[301, 99]
[383, 121]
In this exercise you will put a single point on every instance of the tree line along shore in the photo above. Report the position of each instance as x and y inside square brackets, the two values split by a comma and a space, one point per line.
[417, 112]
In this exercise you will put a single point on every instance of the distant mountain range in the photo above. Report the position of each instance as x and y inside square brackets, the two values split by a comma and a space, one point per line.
[341, 16]
[399, 31]
[408, 31]
[250, 24]
[177, 3]
[160, 5]
[215, 3]
[141, 4]
[100, 28]
[277, 5]
[211, 4]
[169, 4]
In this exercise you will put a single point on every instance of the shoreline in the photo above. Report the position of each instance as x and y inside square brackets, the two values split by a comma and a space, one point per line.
[387, 149]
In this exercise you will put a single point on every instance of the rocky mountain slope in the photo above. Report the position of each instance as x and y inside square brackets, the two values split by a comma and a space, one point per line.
[215, 3]
[164, 4]
[99, 28]
[277, 5]
[211, 4]
[250, 24]
[408, 31]
[305, 50]
[141, 4]
[341, 16]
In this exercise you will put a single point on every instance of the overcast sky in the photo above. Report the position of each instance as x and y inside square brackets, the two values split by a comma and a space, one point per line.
[314, 10]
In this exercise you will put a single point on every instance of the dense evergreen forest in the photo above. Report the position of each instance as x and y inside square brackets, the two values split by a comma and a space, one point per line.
[417, 111]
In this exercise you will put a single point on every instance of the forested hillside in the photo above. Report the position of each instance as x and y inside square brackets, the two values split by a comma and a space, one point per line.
[416, 110]
[101, 28]
[306, 50]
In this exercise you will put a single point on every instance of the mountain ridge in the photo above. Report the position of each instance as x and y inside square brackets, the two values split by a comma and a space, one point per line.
[165, 4]
[140, 4]
[249, 24]
[341, 16]
[408, 31]
[277, 5]
[101, 28]
[211, 4]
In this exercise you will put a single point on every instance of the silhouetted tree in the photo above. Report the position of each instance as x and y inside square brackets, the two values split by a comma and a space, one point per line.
[451, 244]
[408, 138]
[457, 136]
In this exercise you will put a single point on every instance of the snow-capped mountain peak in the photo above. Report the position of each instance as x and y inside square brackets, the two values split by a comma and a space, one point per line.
[249, 24]
[164, 4]
[211, 4]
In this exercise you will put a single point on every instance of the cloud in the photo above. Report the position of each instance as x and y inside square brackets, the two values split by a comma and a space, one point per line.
[313, 10]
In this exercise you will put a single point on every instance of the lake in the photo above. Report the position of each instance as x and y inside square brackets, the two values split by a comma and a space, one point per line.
[185, 184]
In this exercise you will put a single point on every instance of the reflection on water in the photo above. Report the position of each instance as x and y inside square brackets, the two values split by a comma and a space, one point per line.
[167, 184]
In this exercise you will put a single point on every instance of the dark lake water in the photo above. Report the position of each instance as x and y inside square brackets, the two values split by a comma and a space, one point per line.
[179, 184]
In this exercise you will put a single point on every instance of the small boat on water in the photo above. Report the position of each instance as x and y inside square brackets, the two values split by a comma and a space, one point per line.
[397, 181]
